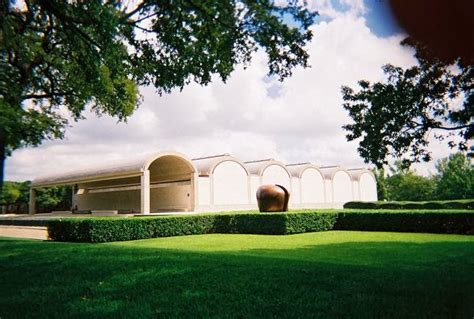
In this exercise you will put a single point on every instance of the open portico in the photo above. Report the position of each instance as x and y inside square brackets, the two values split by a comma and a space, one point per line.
[162, 182]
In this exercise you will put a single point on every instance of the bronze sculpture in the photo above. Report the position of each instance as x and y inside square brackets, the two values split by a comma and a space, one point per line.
[272, 198]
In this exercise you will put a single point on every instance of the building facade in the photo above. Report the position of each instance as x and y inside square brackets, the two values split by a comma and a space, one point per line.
[169, 182]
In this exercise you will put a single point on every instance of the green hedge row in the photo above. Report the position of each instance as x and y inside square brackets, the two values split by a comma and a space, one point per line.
[98, 230]
[453, 204]
[445, 222]
[118, 229]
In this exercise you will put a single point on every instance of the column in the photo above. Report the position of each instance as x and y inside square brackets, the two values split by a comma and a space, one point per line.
[32, 206]
[195, 188]
[145, 192]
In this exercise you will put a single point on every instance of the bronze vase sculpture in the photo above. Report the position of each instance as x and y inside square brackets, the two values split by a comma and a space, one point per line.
[272, 198]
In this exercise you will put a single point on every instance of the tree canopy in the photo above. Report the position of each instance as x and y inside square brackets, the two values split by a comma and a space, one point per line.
[14, 197]
[395, 117]
[59, 57]
[453, 179]
[14, 193]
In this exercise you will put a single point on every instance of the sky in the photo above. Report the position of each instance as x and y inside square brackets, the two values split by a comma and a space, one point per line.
[250, 116]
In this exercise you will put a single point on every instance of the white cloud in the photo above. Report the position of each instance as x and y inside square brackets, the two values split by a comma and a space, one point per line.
[300, 122]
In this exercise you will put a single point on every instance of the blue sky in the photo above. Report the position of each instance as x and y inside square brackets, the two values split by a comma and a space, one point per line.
[380, 18]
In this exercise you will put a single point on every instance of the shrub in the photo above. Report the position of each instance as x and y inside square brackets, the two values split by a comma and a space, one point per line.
[454, 204]
[449, 222]
[309, 222]
[98, 230]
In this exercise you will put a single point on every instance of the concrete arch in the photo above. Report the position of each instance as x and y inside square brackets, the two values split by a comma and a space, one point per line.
[164, 181]
[223, 182]
[271, 172]
[309, 180]
[206, 165]
[312, 186]
[230, 183]
[277, 174]
[342, 187]
[151, 159]
[368, 187]
[338, 180]
[365, 184]
[171, 182]
[267, 171]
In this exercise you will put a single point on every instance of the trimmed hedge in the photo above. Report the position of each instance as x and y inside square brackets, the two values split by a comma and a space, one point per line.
[97, 230]
[453, 204]
[445, 222]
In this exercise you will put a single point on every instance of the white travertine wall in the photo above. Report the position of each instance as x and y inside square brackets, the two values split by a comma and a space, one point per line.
[118, 194]
[204, 190]
[117, 200]
[254, 185]
[312, 187]
[368, 188]
[230, 183]
[172, 197]
[329, 194]
[295, 196]
[342, 187]
[356, 190]
[275, 174]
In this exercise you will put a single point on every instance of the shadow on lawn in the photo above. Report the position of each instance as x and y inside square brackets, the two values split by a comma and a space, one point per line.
[369, 279]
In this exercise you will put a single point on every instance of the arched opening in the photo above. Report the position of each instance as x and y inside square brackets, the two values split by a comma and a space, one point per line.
[312, 186]
[368, 188]
[230, 184]
[342, 187]
[276, 174]
[171, 184]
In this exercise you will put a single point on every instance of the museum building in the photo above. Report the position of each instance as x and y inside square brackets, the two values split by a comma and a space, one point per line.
[171, 182]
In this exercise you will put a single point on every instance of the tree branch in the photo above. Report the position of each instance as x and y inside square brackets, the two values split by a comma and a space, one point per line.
[143, 29]
[141, 6]
[460, 127]
[61, 16]
[46, 95]
[439, 127]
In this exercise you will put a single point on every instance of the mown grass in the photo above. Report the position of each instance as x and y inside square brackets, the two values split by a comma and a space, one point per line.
[329, 274]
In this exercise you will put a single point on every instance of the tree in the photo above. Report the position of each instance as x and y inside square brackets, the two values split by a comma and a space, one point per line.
[455, 179]
[14, 193]
[405, 185]
[59, 57]
[9, 194]
[54, 198]
[411, 187]
[381, 179]
[395, 117]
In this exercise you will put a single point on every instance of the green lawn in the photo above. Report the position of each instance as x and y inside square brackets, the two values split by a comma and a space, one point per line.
[327, 275]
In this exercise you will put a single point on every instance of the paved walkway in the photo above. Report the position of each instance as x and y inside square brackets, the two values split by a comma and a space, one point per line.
[32, 232]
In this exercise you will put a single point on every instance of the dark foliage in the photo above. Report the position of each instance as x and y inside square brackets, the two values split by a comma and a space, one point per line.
[395, 117]
[464, 204]
[413, 222]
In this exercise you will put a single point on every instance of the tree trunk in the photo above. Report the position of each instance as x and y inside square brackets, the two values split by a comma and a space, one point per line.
[2, 162]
